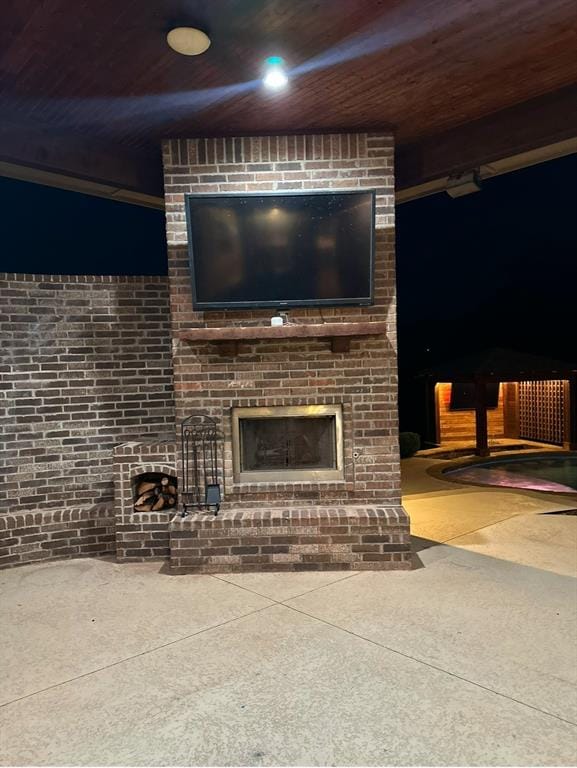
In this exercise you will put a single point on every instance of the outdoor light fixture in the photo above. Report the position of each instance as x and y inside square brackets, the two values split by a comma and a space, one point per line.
[188, 41]
[275, 76]
[461, 184]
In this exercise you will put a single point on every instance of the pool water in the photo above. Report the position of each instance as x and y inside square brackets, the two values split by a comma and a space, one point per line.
[555, 472]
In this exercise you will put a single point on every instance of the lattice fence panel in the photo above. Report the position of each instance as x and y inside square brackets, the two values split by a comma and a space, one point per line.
[541, 411]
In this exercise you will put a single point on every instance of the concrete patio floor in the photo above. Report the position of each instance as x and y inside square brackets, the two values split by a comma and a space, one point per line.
[470, 659]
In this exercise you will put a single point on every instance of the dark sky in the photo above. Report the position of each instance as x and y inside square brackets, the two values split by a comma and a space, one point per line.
[53, 231]
[494, 268]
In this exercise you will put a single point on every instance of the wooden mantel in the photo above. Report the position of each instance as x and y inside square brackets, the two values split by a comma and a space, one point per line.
[340, 334]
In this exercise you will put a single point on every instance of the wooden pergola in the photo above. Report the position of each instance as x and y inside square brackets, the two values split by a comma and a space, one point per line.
[497, 365]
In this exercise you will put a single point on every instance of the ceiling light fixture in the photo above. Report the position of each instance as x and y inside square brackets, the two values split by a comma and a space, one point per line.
[275, 76]
[188, 41]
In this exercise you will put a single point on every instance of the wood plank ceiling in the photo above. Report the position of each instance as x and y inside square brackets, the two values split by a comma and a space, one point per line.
[100, 70]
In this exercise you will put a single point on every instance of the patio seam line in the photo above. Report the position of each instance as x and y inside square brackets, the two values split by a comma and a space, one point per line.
[293, 597]
[474, 530]
[136, 655]
[296, 610]
[186, 637]
[173, 642]
[489, 525]
[466, 533]
[432, 666]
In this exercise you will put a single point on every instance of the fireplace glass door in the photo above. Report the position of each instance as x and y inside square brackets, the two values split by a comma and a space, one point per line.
[296, 443]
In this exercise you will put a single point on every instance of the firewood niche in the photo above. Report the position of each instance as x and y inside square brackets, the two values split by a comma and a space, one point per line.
[339, 334]
[154, 492]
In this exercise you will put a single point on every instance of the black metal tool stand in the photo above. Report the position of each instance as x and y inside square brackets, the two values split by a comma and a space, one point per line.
[200, 451]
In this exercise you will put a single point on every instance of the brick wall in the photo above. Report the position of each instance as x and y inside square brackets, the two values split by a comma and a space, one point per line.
[85, 364]
[293, 372]
[54, 534]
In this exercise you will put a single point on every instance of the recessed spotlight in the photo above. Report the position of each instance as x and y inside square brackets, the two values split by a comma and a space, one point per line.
[275, 76]
[188, 41]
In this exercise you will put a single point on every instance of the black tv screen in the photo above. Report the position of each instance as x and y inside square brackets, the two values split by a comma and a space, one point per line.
[281, 250]
[463, 396]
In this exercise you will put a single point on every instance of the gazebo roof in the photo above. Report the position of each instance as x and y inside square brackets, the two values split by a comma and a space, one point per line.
[498, 364]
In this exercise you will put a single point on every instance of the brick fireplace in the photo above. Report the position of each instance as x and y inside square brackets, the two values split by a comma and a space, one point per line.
[334, 506]
[306, 414]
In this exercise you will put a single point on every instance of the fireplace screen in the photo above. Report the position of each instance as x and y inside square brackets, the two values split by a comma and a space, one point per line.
[296, 443]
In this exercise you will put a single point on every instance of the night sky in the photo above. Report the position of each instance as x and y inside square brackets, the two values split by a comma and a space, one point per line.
[496, 268]
[52, 231]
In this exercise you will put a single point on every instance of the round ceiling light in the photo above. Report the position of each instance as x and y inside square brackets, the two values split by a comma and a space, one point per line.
[188, 41]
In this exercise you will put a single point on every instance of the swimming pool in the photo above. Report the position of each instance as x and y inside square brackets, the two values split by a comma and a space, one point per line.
[556, 472]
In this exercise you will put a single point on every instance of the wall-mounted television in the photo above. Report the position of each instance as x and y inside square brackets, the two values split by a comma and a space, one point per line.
[463, 396]
[278, 250]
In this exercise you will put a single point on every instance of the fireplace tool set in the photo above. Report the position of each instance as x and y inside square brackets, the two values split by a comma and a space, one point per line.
[200, 448]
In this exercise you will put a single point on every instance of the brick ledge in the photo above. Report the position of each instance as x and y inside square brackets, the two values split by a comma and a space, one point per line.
[48, 516]
[275, 539]
[54, 534]
[392, 514]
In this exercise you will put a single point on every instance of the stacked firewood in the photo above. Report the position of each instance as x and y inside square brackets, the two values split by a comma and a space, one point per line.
[154, 495]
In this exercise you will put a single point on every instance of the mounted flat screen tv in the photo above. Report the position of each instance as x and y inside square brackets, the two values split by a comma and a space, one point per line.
[463, 396]
[281, 250]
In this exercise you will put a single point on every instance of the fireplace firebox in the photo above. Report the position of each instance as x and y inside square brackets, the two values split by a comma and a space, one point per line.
[288, 444]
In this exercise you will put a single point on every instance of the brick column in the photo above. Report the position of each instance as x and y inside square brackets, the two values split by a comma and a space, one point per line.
[297, 372]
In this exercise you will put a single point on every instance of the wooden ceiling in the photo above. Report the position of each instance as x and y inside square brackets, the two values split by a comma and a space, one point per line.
[91, 76]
